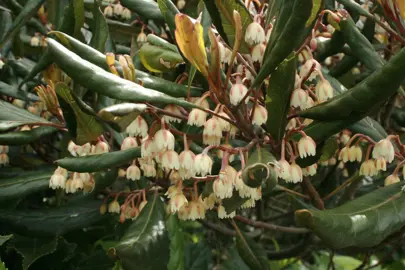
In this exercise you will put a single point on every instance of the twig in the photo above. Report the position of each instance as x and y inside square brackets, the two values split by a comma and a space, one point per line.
[293, 192]
[313, 194]
[270, 226]
[339, 188]
[331, 264]
[217, 228]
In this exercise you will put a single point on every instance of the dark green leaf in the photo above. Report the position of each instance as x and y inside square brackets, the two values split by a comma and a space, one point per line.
[99, 30]
[176, 236]
[149, 81]
[369, 127]
[289, 39]
[233, 261]
[26, 137]
[88, 128]
[169, 11]
[104, 179]
[105, 83]
[198, 256]
[233, 203]
[363, 222]
[329, 149]
[6, 22]
[278, 97]
[145, 8]
[13, 91]
[221, 12]
[252, 254]
[11, 113]
[53, 221]
[78, 7]
[146, 237]
[24, 183]
[100, 162]
[31, 249]
[258, 168]
[29, 9]
[5, 238]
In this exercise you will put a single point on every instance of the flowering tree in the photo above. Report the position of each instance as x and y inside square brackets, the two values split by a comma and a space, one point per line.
[210, 134]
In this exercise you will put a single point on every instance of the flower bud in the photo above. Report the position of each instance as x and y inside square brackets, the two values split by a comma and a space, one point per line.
[101, 148]
[223, 214]
[196, 116]
[260, 115]
[126, 14]
[237, 92]
[254, 34]
[148, 147]
[170, 160]
[197, 210]
[118, 9]
[307, 68]
[384, 149]
[355, 154]
[108, 11]
[34, 42]
[177, 201]
[133, 172]
[114, 207]
[344, 154]
[296, 173]
[310, 170]
[128, 143]
[138, 127]
[323, 90]
[258, 53]
[164, 140]
[299, 98]
[284, 170]
[306, 147]
[174, 109]
[381, 164]
[391, 179]
[103, 209]
[181, 4]
[4, 149]
[203, 164]
[212, 132]
[368, 168]
[141, 39]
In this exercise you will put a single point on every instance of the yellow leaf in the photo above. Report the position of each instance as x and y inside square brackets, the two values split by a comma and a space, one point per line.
[401, 7]
[189, 37]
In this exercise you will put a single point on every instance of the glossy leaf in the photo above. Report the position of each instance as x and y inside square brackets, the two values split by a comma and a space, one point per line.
[278, 97]
[123, 114]
[251, 253]
[5, 238]
[100, 162]
[9, 112]
[221, 12]
[146, 237]
[189, 38]
[13, 91]
[363, 222]
[53, 221]
[289, 39]
[29, 9]
[146, 8]
[100, 29]
[88, 128]
[176, 237]
[233, 203]
[149, 81]
[106, 83]
[169, 11]
[31, 249]
[78, 7]
[258, 168]
[158, 55]
[329, 149]
[6, 22]
[316, 5]
[233, 260]
[24, 184]
[26, 137]
[197, 256]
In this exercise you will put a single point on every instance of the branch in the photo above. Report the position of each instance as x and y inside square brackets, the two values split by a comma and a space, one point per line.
[270, 226]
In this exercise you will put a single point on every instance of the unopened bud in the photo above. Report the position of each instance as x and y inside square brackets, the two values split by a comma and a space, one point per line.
[103, 208]
[313, 44]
